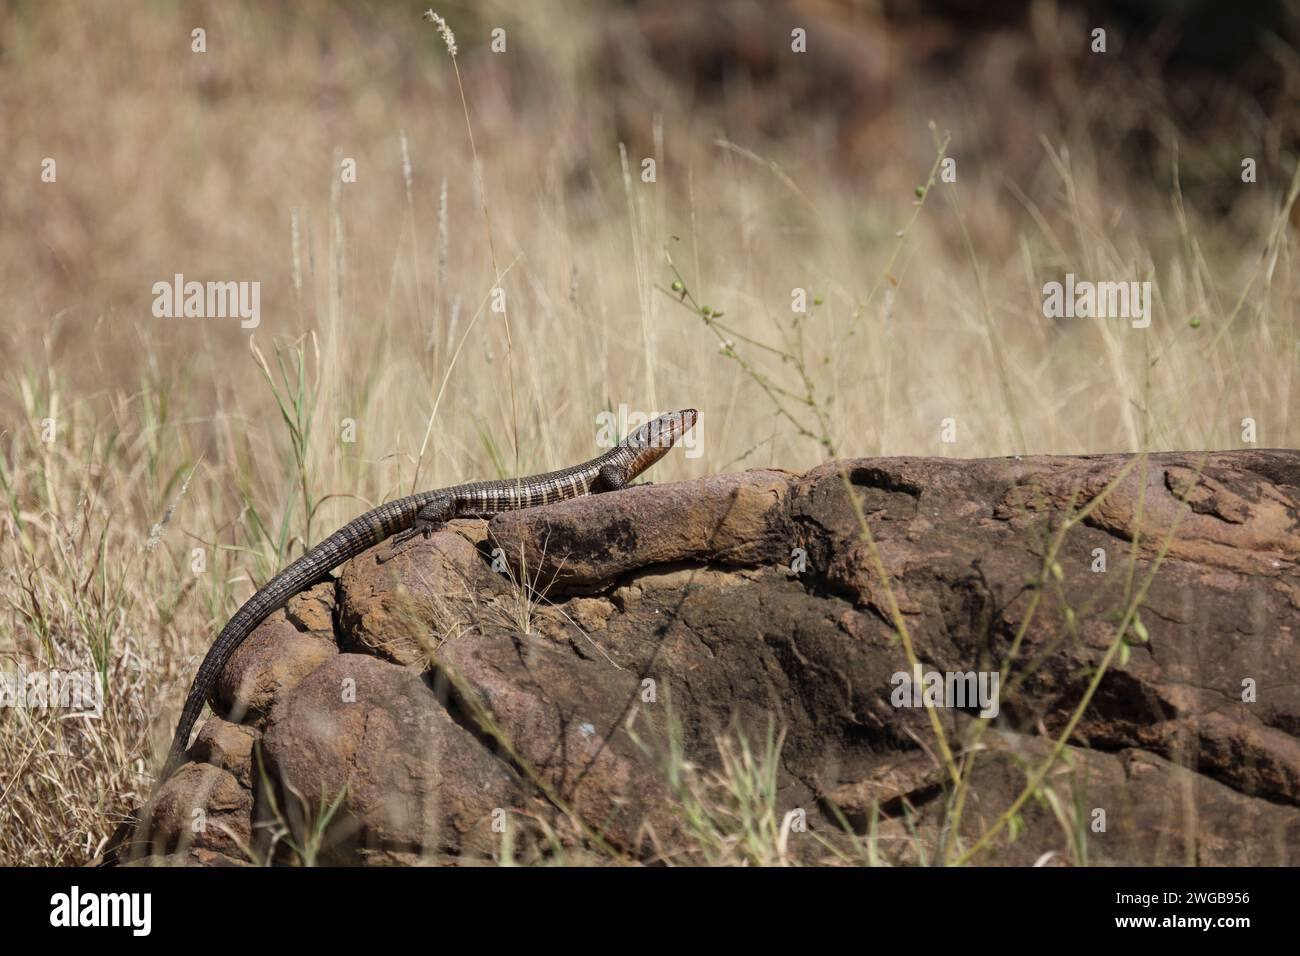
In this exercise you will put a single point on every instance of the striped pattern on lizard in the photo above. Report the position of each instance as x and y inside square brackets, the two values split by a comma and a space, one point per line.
[421, 514]
[417, 514]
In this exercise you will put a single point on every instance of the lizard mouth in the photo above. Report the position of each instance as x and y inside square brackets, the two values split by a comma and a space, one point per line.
[663, 432]
[668, 429]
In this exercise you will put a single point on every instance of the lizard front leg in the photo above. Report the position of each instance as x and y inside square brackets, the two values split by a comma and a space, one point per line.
[428, 519]
[609, 478]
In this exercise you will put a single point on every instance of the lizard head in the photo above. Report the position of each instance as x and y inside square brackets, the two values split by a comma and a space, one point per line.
[654, 439]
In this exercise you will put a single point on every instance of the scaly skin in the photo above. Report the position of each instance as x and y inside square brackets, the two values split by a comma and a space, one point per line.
[419, 513]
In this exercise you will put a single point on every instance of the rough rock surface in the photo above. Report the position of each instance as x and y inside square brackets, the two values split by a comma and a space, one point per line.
[426, 700]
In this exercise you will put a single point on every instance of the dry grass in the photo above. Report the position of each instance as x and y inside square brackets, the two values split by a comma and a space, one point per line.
[376, 309]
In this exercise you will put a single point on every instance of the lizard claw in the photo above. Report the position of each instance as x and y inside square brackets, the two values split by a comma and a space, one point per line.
[399, 539]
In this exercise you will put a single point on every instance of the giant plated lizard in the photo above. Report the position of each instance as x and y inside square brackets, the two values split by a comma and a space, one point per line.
[417, 514]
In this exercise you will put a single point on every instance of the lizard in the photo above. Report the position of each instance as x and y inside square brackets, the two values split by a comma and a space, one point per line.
[403, 518]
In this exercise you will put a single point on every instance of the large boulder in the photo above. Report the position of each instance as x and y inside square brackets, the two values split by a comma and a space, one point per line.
[684, 672]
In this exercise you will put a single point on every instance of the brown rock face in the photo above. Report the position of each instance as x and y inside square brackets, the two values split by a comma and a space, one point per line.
[228, 746]
[372, 738]
[664, 672]
[203, 808]
[288, 646]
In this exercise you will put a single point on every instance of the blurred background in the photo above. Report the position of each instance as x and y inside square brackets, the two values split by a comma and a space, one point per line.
[775, 170]
[380, 367]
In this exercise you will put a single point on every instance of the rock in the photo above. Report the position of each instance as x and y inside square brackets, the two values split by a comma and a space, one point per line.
[1154, 813]
[585, 542]
[193, 857]
[372, 738]
[288, 645]
[228, 746]
[563, 719]
[685, 648]
[399, 601]
[203, 807]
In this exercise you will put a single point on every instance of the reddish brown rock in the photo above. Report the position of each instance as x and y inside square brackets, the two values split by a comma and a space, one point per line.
[730, 519]
[659, 626]
[1135, 807]
[228, 746]
[287, 646]
[564, 721]
[401, 601]
[203, 807]
[192, 857]
[372, 738]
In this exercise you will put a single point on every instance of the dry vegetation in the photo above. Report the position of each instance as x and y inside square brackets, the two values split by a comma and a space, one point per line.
[173, 435]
